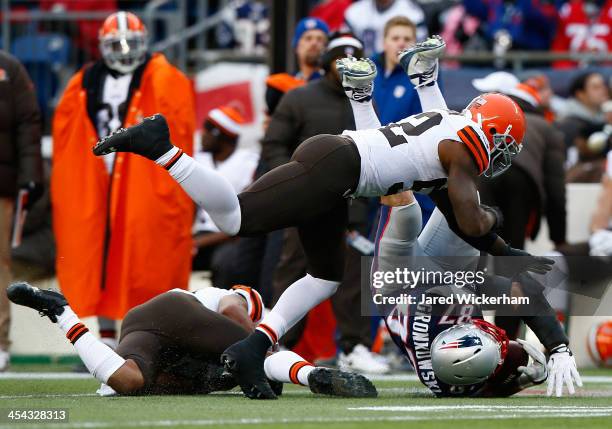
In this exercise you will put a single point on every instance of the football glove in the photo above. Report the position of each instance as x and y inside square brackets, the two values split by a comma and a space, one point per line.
[562, 369]
[420, 62]
[536, 372]
[357, 77]
[600, 243]
[526, 262]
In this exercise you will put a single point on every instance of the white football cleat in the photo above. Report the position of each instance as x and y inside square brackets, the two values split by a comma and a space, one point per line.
[357, 77]
[362, 360]
[420, 62]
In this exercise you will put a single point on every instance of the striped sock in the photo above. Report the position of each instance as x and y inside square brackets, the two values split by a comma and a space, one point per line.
[100, 360]
[288, 367]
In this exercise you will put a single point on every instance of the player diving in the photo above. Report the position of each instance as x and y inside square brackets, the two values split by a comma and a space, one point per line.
[453, 350]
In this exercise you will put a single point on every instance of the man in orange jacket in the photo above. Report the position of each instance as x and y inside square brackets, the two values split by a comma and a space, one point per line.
[123, 228]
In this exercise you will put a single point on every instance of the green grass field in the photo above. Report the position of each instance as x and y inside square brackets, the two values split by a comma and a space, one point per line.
[401, 403]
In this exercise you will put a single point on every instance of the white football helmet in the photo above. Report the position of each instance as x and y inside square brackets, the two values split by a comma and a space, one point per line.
[123, 42]
[468, 353]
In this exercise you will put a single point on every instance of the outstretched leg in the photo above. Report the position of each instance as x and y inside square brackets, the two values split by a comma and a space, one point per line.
[101, 361]
[289, 367]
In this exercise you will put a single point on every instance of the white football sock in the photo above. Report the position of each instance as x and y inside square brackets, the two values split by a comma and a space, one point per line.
[294, 303]
[207, 188]
[100, 360]
[365, 115]
[431, 97]
[163, 160]
[288, 367]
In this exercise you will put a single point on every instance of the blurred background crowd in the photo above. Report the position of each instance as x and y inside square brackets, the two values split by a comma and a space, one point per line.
[242, 84]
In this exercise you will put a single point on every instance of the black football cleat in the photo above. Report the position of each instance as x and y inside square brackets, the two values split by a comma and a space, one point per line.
[47, 302]
[246, 365]
[333, 382]
[150, 138]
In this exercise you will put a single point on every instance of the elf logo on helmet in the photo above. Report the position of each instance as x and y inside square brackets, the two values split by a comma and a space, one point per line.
[465, 341]
[123, 42]
[503, 123]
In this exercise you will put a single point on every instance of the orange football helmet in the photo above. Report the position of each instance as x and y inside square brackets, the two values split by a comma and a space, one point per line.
[503, 122]
[123, 41]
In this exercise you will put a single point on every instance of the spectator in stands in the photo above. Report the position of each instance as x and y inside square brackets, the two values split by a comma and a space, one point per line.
[321, 107]
[215, 250]
[587, 276]
[461, 32]
[20, 168]
[581, 118]
[332, 12]
[366, 19]
[122, 225]
[519, 25]
[394, 95]
[308, 42]
[541, 84]
[87, 37]
[584, 26]
[534, 185]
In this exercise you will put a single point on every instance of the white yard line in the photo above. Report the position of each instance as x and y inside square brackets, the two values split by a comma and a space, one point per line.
[78, 376]
[45, 375]
[256, 421]
[412, 377]
[514, 408]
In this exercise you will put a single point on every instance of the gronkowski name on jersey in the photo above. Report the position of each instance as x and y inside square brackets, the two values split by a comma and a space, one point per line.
[404, 156]
[413, 328]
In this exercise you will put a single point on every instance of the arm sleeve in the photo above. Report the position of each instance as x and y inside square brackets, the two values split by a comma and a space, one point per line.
[554, 185]
[27, 119]
[282, 133]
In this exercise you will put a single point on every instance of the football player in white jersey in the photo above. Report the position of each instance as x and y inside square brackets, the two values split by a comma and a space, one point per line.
[312, 192]
[171, 344]
[398, 236]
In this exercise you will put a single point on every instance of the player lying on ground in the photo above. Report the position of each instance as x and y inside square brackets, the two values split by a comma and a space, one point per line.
[312, 191]
[172, 344]
[474, 365]
[419, 329]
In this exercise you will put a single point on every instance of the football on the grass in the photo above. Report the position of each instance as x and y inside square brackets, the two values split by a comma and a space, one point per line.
[515, 357]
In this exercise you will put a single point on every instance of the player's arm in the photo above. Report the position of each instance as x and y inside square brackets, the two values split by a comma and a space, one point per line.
[472, 219]
[490, 242]
[235, 307]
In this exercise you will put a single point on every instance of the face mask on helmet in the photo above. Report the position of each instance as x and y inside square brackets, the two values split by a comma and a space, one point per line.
[468, 353]
[503, 123]
[123, 42]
